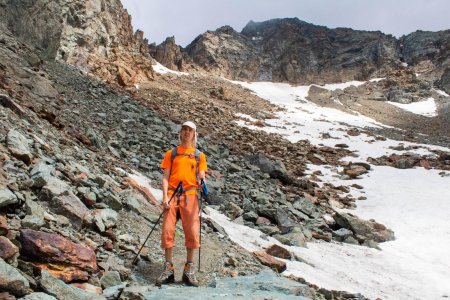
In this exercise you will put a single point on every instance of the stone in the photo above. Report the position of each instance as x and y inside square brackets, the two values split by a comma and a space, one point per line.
[60, 290]
[53, 248]
[7, 198]
[404, 163]
[354, 171]
[7, 249]
[305, 206]
[285, 223]
[88, 287]
[18, 146]
[110, 279]
[368, 229]
[270, 261]
[293, 238]
[278, 251]
[71, 207]
[105, 218]
[33, 222]
[341, 234]
[38, 296]
[275, 169]
[12, 281]
[3, 226]
[112, 201]
[6, 101]
[41, 174]
[250, 216]
[53, 188]
[112, 293]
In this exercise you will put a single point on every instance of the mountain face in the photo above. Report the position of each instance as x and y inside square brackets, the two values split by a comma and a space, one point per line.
[290, 50]
[94, 35]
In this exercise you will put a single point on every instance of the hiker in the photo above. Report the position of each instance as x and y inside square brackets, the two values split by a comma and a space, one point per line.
[187, 164]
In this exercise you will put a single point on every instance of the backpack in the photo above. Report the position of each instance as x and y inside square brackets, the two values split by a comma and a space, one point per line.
[197, 160]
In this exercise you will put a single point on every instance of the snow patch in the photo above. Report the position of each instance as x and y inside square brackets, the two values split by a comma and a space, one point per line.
[425, 108]
[442, 93]
[160, 69]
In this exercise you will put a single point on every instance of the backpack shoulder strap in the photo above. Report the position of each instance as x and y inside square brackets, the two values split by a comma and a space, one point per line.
[172, 157]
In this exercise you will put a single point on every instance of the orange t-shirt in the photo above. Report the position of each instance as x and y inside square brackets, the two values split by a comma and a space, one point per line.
[184, 168]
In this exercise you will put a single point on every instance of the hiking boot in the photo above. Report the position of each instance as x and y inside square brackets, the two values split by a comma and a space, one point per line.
[167, 275]
[189, 275]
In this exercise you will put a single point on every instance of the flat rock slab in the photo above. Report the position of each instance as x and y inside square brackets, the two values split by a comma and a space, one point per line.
[7, 198]
[7, 248]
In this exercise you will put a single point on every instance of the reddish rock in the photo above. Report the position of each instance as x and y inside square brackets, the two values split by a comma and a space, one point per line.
[7, 248]
[53, 248]
[424, 164]
[64, 272]
[3, 226]
[270, 261]
[108, 246]
[355, 171]
[278, 251]
[7, 296]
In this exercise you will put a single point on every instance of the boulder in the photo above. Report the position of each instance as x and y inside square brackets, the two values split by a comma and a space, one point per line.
[305, 206]
[110, 279]
[278, 251]
[19, 146]
[60, 290]
[71, 207]
[293, 238]
[370, 230]
[6, 101]
[41, 174]
[270, 261]
[8, 250]
[53, 188]
[275, 169]
[3, 226]
[38, 296]
[105, 218]
[285, 223]
[53, 248]
[12, 281]
[7, 198]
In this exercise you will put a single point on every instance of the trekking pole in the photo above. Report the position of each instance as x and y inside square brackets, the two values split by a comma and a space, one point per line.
[203, 191]
[200, 247]
[154, 226]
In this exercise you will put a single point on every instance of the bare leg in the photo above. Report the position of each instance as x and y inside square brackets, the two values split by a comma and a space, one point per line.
[168, 253]
[190, 254]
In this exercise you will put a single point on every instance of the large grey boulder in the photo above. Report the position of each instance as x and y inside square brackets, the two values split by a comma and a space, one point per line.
[7, 198]
[285, 223]
[41, 174]
[19, 146]
[275, 169]
[38, 296]
[53, 188]
[60, 290]
[12, 281]
[73, 208]
[105, 218]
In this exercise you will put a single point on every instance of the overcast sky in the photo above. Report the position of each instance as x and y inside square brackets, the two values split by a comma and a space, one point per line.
[187, 19]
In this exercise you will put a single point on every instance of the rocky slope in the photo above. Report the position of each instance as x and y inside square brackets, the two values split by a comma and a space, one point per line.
[72, 219]
[72, 216]
[95, 35]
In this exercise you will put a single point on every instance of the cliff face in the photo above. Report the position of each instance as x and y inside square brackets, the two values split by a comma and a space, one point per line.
[94, 35]
[295, 51]
[428, 53]
[290, 50]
